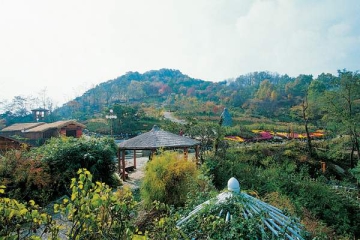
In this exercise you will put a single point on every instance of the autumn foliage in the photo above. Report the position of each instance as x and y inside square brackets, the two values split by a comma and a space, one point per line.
[26, 177]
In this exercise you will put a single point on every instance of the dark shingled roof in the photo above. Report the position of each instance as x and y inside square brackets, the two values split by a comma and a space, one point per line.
[157, 138]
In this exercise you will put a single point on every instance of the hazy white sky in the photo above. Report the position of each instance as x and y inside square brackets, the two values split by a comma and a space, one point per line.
[69, 46]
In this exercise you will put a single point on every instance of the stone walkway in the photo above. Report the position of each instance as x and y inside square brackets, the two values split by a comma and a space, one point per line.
[135, 177]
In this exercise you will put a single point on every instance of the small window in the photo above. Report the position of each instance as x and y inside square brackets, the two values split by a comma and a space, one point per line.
[71, 133]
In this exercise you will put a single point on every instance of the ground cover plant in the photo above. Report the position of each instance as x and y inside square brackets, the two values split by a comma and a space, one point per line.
[280, 174]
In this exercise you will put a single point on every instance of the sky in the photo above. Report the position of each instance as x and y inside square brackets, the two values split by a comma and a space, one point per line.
[64, 48]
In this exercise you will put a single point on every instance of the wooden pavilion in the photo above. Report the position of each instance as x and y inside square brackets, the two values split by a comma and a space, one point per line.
[153, 140]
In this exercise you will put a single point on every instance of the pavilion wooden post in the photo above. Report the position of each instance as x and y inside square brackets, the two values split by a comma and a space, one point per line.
[135, 159]
[152, 153]
[323, 166]
[119, 163]
[197, 153]
[123, 165]
[186, 152]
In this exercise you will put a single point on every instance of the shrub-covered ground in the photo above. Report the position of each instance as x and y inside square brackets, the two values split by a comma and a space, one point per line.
[281, 174]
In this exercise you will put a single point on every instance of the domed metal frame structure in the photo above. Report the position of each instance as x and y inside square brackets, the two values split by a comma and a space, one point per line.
[275, 222]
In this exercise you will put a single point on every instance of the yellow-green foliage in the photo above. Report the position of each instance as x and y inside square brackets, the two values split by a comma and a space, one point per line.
[168, 179]
[22, 220]
[95, 211]
[280, 201]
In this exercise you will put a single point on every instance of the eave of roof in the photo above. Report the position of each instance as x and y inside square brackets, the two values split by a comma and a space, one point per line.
[21, 126]
[9, 138]
[40, 109]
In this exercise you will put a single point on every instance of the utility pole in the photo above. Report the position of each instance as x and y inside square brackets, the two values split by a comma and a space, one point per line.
[111, 116]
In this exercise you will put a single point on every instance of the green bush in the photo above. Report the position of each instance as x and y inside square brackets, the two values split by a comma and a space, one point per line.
[94, 211]
[332, 208]
[98, 126]
[22, 220]
[168, 179]
[65, 156]
[159, 222]
[283, 169]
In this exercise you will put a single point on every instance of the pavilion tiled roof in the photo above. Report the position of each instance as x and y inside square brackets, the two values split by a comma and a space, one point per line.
[157, 138]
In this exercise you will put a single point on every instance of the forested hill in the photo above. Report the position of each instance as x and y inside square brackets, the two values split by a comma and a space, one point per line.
[259, 93]
[160, 83]
[150, 87]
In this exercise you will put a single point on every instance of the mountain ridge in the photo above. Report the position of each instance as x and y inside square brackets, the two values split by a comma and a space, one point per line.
[263, 93]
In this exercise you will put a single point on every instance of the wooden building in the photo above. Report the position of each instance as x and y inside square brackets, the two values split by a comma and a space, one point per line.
[8, 143]
[36, 134]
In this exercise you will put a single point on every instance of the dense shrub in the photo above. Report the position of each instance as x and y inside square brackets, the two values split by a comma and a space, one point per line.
[94, 211]
[65, 156]
[44, 173]
[21, 220]
[158, 222]
[98, 125]
[168, 179]
[287, 171]
[25, 176]
[334, 209]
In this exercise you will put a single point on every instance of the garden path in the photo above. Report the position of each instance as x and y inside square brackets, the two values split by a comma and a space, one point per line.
[135, 177]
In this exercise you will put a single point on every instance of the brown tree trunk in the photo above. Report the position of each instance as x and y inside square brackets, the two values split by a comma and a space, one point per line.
[352, 156]
[357, 145]
[308, 138]
[309, 145]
